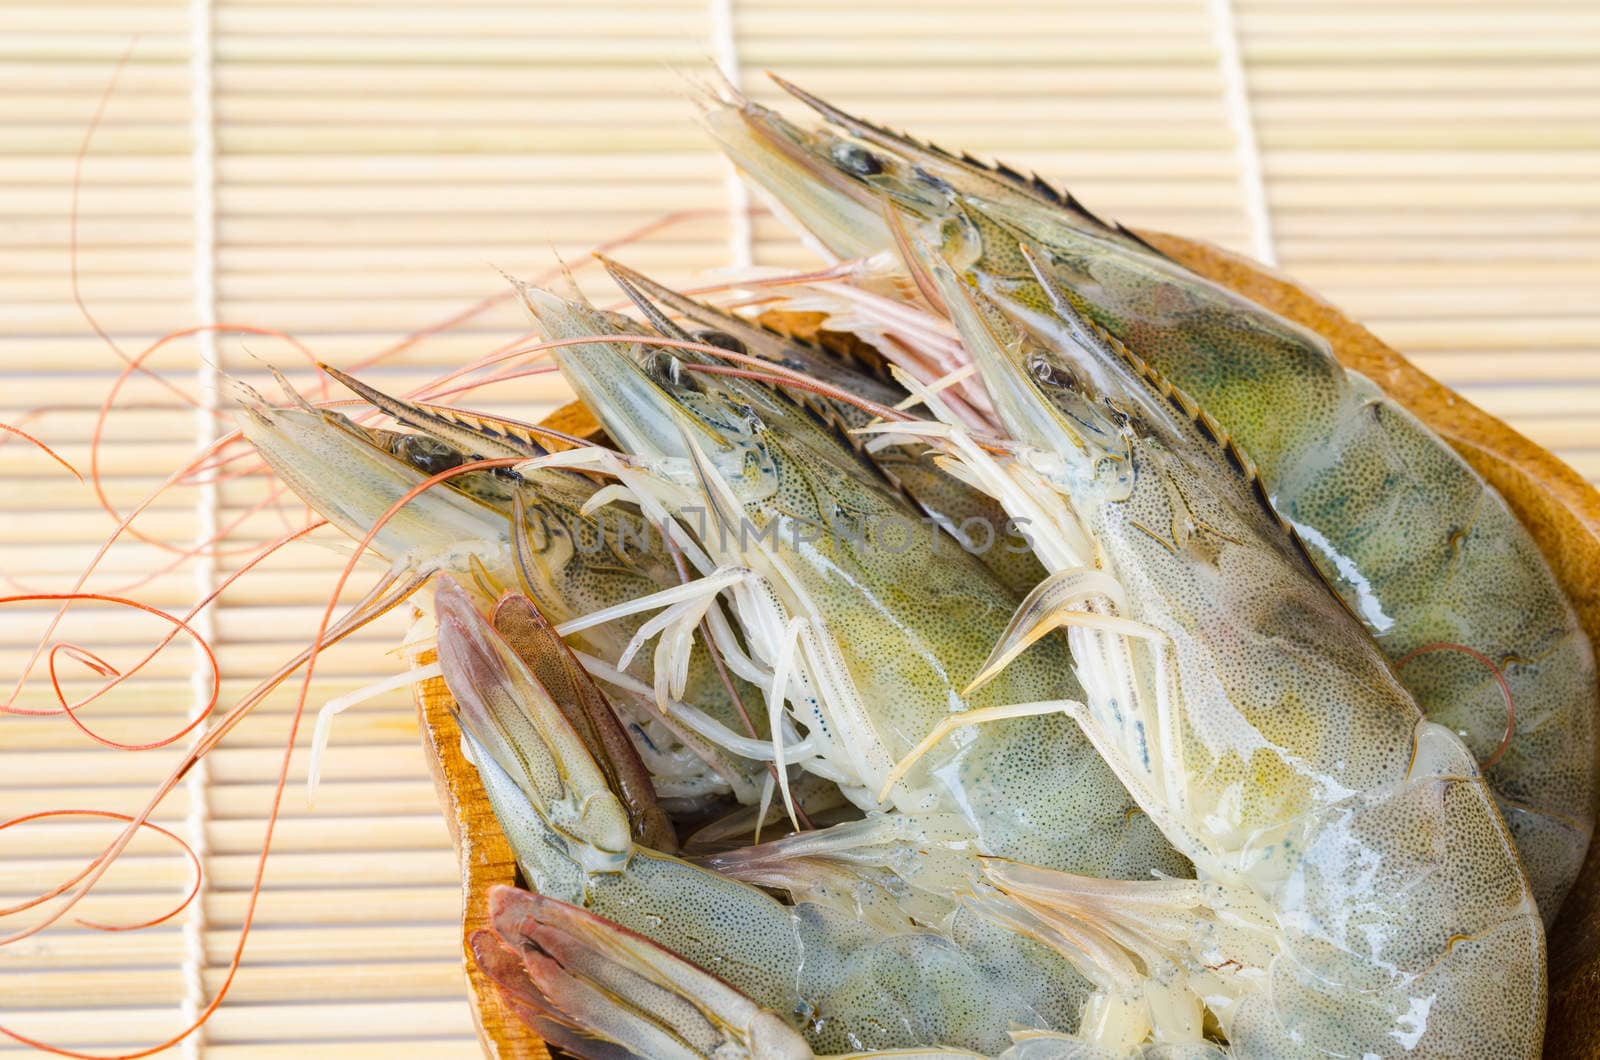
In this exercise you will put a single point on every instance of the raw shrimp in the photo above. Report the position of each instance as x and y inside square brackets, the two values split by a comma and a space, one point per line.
[967, 514]
[1357, 893]
[1416, 543]
[573, 563]
[868, 622]
[812, 975]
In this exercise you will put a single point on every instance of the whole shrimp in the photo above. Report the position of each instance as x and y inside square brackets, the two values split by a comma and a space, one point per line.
[916, 613]
[1411, 538]
[1250, 717]
[1356, 891]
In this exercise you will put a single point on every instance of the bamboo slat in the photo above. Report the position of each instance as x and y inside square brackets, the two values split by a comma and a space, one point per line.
[1428, 165]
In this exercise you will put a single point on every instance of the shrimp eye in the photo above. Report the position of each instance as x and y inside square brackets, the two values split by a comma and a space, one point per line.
[668, 370]
[1047, 373]
[720, 339]
[936, 183]
[749, 420]
[1120, 417]
[856, 159]
[429, 455]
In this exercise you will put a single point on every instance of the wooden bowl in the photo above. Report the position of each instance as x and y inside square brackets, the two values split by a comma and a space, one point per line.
[1559, 508]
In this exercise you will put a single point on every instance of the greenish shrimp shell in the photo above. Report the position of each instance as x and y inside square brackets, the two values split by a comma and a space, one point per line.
[1292, 767]
[1410, 536]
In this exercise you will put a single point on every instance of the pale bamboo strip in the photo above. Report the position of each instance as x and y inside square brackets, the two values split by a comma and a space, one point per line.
[1177, 20]
[986, 73]
[668, 113]
[228, 764]
[335, 799]
[235, 871]
[120, 625]
[1002, 7]
[410, 941]
[278, 983]
[1423, 27]
[1463, 81]
[106, 177]
[1508, 252]
[295, 907]
[379, 1048]
[1379, 47]
[294, 834]
[245, 1022]
[461, 1048]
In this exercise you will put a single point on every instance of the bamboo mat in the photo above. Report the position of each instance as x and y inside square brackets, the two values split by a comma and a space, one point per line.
[351, 171]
